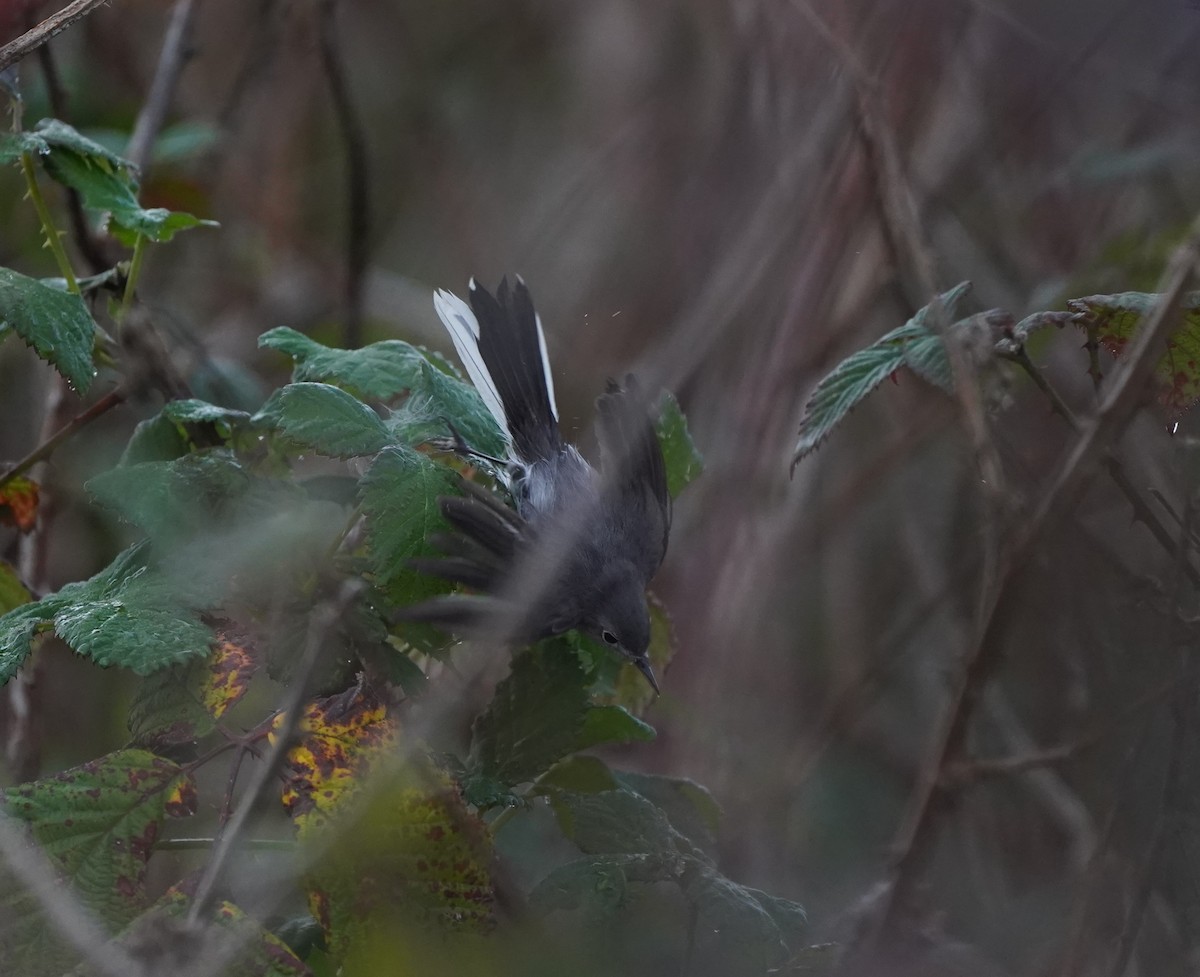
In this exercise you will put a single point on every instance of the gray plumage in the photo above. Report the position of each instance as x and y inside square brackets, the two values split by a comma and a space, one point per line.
[581, 546]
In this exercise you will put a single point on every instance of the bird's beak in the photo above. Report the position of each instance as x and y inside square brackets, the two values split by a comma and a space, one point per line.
[643, 666]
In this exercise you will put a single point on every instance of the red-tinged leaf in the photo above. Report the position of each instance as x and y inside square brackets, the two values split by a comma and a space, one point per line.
[230, 668]
[99, 823]
[1115, 318]
[340, 738]
[18, 503]
[180, 705]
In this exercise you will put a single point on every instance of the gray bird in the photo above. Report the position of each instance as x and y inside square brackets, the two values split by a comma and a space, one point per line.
[580, 546]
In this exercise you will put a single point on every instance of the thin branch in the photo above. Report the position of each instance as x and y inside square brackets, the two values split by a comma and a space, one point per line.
[175, 52]
[1142, 512]
[357, 185]
[56, 23]
[324, 619]
[47, 447]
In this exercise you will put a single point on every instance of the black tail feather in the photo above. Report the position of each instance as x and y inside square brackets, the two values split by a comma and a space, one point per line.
[511, 348]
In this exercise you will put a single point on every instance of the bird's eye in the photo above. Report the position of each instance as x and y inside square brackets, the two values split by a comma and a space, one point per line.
[609, 637]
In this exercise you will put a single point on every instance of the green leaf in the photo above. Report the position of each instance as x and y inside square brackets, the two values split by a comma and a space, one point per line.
[580, 774]
[925, 354]
[1115, 319]
[380, 371]
[614, 822]
[17, 629]
[179, 705]
[612, 724]
[399, 501]
[326, 419]
[99, 823]
[156, 439]
[173, 500]
[861, 373]
[683, 461]
[125, 615]
[735, 912]
[13, 593]
[56, 324]
[438, 398]
[535, 718]
[689, 807]
[104, 181]
[599, 883]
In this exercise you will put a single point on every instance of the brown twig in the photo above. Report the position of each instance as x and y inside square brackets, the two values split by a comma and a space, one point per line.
[55, 24]
[175, 52]
[47, 447]
[324, 618]
[915, 837]
[354, 141]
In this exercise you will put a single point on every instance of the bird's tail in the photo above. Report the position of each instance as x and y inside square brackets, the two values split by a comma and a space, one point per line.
[500, 342]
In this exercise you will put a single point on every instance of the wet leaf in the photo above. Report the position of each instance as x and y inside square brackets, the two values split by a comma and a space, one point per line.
[379, 371]
[99, 823]
[56, 324]
[326, 419]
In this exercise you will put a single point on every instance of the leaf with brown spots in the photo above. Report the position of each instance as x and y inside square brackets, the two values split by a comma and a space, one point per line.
[18, 503]
[1115, 318]
[99, 823]
[180, 705]
[410, 856]
[228, 934]
[340, 738]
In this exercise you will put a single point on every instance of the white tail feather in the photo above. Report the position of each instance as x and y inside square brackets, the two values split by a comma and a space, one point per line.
[463, 327]
[546, 366]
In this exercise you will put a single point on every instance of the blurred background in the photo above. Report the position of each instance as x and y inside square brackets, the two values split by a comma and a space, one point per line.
[694, 190]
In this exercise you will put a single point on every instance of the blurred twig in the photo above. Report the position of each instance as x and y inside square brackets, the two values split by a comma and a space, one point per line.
[47, 447]
[56, 23]
[354, 141]
[324, 618]
[176, 50]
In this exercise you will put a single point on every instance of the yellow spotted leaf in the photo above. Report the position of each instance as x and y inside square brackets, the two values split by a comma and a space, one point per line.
[339, 739]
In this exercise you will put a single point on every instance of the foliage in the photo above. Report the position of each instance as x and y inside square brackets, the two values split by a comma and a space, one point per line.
[251, 527]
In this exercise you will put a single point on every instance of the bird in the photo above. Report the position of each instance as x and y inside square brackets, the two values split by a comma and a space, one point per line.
[578, 547]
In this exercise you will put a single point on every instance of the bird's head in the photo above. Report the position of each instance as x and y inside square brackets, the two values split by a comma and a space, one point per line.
[621, 619]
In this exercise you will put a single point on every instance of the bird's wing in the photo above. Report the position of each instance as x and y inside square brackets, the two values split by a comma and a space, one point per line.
[632, 461]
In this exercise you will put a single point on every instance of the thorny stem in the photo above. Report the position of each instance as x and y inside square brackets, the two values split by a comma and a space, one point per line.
[135, 270]
[51, 232]
[46, 448]
[1115, 469]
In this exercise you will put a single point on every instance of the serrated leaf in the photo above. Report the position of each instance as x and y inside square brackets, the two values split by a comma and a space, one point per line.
[13, 593]
[340, 738]
[410, 855]
[613, 822]
[173, 500]
[181, 704]
[125, 615]
[861, 373]
[104, 181]
[244, 947]
[155, 439]
[18, 503]
[1115, 319]
[684, 463]
[925, 354]
[612, 724]
[399, 501]
[535, 718]
[379, 371]
[438, 398]
[599, 883]
[99, 823]
[580, 774]
[689, 807]
[738, 913]
[326, 419]
[57, 325]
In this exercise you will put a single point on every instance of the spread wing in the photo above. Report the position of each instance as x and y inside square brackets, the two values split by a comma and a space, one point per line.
[632, 461]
